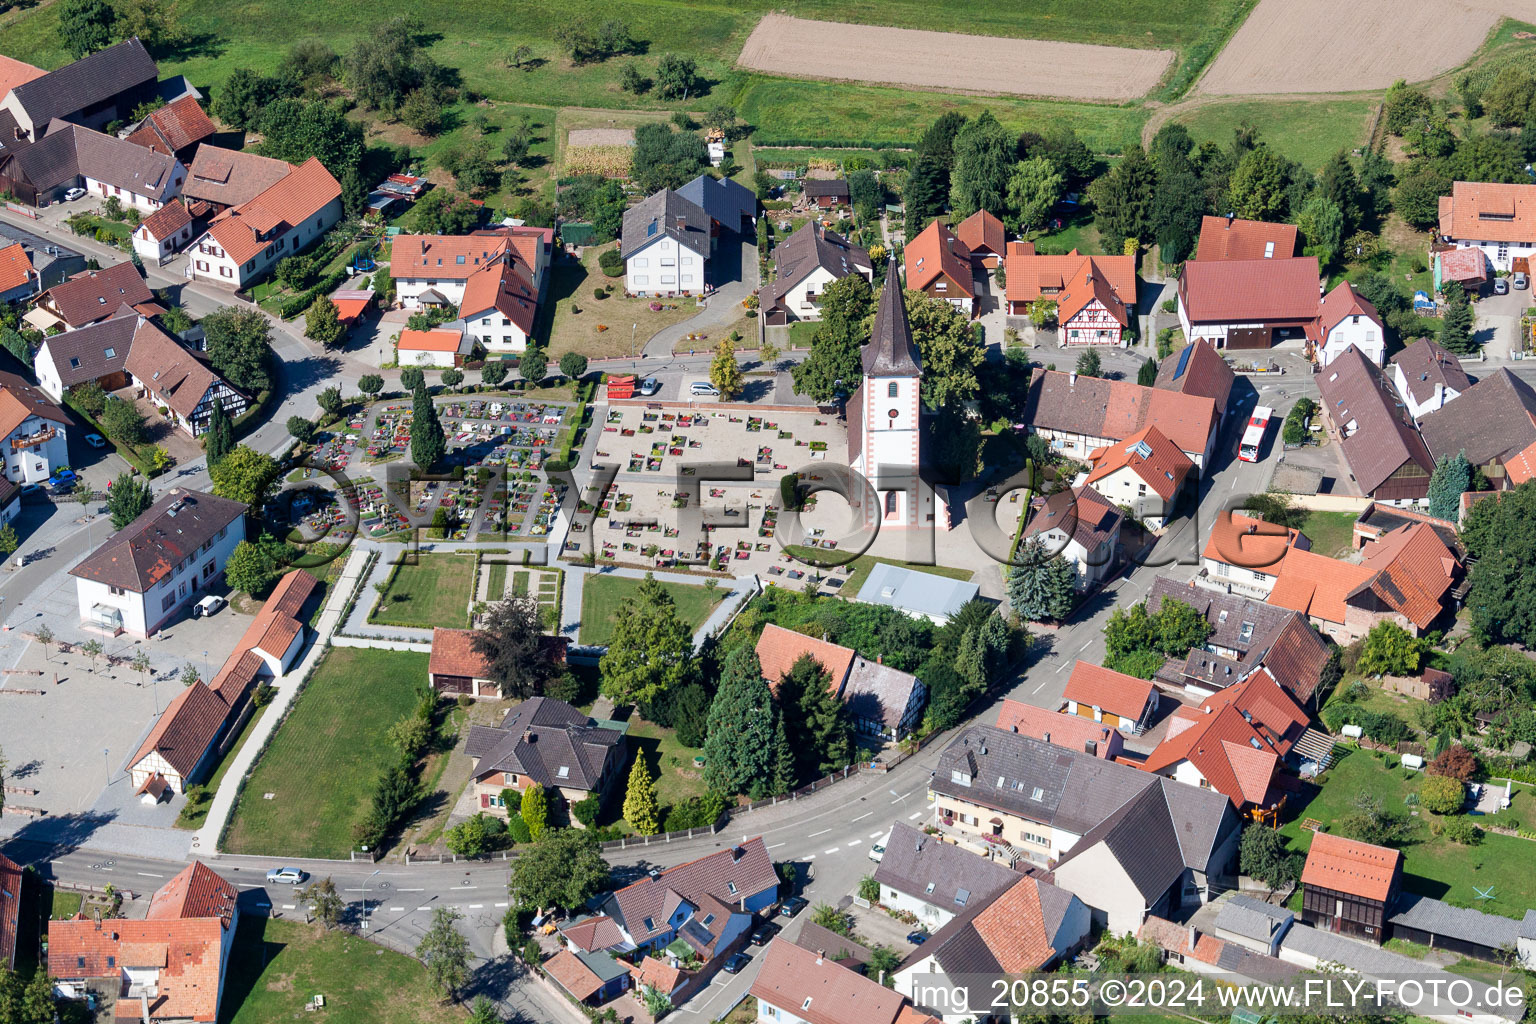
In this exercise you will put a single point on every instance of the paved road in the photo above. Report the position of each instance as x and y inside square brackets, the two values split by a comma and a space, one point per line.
[724, 304]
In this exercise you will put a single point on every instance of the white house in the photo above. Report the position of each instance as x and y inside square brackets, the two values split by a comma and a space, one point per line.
[805, 263]
[95, 353]
[180, 381]
[807, 986]
[1083, 527]
[1497, 218]
[148, 571]
[113, 168]
[1145, 471]
[434, 270]
[245, 242]
[1245, 554]
[1251, 303]
[934, 880]
[666, 246]
[34, 433]
[163, 233]
[1427, 376]
[499, 307]
[442, 346]
[1346, 319]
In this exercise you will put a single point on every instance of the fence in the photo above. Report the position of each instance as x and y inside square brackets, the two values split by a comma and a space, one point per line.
[666, 837]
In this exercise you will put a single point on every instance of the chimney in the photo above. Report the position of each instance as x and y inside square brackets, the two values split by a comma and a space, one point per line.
[1229, 218]
[1194, 935]
[682, 224]
[1046, 737]
[1072, 379]
[880, 659]
[819, 954]
[1015, 728]
[527, 735]
[737, 853]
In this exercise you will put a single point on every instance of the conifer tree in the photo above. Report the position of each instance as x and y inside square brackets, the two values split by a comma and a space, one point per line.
[640, 800]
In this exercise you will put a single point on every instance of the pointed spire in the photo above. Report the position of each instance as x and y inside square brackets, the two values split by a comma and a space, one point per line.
[891, 352]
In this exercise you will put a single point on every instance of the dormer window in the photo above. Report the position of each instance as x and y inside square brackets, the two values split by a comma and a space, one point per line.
[709, 919]
[74, 364]
[111, 353]
[929, 889]
[650, 924]
[564, 772]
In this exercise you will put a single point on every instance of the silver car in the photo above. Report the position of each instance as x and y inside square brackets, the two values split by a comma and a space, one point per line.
[286, 876]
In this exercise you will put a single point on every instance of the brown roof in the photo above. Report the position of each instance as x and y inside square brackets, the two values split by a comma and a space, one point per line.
[174, 374]
[1068, 731]
[167, 220]
[229, 177]
[593, 933]
[15, 267]
[572, 975]
[1348, 866]
[1486, 211]
[1108, 690]
[1383, 438]
[982, 233]
[195, 892]
[937, 251]
[170, 531]
[92, 351]
[186, 729]
[1032, 274]
[813, 246]
[121, 163]
[1197, 369]
[454, 654]
[247, 229]
[1493, 420]
[278, 623]
[234, 680]
[10, 902]
[1468, 266]
[1174, 938]
[174, 127]
[778, 649]
[655, 974]
[549, 741]
[1222, 238]
[1147, 453]
[819, 990]
[20, 400]
[1414, 570]
[1082, 513]
[1425, 364]
[187, 952]
[1117, 409]
[731, 875]
[504, 288]
[1243, 291]
[94, 295]
[93, 79]
[443, 257]
[1250, 543]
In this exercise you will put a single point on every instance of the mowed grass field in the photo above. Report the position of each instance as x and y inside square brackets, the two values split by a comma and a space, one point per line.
[323, 761]
[436, 591]
[1307, 131]
[602, 596]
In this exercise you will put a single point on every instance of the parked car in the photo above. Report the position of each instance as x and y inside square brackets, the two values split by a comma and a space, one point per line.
[1521, 281]
[877, 851]
[289, 876]
[917, 938]
[95, 440]
[649, 386]
[704, 388]
[766, 932]
[209, 605]
[1500, 286]
[736, 963]
[63, 477]
[73, 194]
[793, 906]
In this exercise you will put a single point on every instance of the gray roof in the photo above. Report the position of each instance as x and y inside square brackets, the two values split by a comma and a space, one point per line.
[725, 200]
[1528, 925]
[1493, 419]
[878, 693]
[1442, 919]
[169, 532]
[665, 213]
[92, 351]
[1251, 918]
[45, 164]
[41, 251]
[90, 80]
[1082, 513]
[913, 861]
[120, 163]
[813, 246]
[602, 964]
[1354, 390]
[543, 738]
[825, 187]
[1425, 364]
[920, 593]
[891, 352]
[824, 940]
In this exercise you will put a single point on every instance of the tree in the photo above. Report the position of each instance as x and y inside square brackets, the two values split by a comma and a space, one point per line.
[444, 951]
[247, 94]
[493, 373]
[1034, 188]
[471, 165]
[301, 429]
[866, 195]
[1508, 99]
[632, 79]
[1403, 105]
[1451, 479]
[833, 364]
[952, 353]
[1122, 199]
[1257, 189]
[1041, 586]
[725, 372]
[91, 649]
[534, 366]
[1456, 325]
[422, 111]
[428, 442]
[330, 400]
[663, 157]
[1391, 650]
[739, 752]
[817, 731]
[384, 67]
[883, 961]
[1321, 224]
[657, 1003]
[564, 868]
[9, 542]
[512, 642]
[1455, 762]
[239, 343]
[122, 420]
[322, 322]
[640, 799]
[294, 130]
[476, 835]
[219, 438]
[324, 901]
[1146, 373]
[412, 379]
[573, 365]
[248, 569]
[87, 26]
[370, 384]
[1177, 209]
[1262, 854]
[535, 809]
[127, 499]
[1441, 794]
[651, 649]
[979, 179]
[1089, 364]
[244, 475]
[676, 77]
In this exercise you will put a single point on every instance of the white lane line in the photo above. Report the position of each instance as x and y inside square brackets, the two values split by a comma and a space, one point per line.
[410, 890]
[876, 835]
[823, 832]
[148, 874]
[397, 910]
[775, 846]
[498, 904]
[864, 815]
[833, 850]
[288, 906]
[914, 815]
[810, 856]
[1083, 648]
[477, 906]
[856, 842]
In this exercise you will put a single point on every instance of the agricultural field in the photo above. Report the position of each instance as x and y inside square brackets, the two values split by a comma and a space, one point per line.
[1307, 131]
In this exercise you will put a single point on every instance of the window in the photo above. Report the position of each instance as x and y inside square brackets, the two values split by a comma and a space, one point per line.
[225, 272]
[564, 772]
[890, 503]
[115, 591]
[641, 279]
[505, 322]
[1038, 840]
[807, 1004]
[929, 889]
[650, 925]
[709, 919]
[962, 896]
[640, 261]
[223, 532]
[730, 887]
[892, 390]
[169, 602]
[1038, 794]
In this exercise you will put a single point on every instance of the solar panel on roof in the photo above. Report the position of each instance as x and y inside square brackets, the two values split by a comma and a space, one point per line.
[1184, 352]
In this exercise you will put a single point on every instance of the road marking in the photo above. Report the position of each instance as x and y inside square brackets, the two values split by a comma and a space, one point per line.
[833, 850]
[914, 815]
[410, 890]
[775, 846]
[469, 887]
[810, 856]
[1083, 648]
[148, 874]
[288, 906]
[397, 910]
[248, 885]
[864, 815]
[477, 906]
[823, 832]
[498, 904]
[876, 835]
[856, 842]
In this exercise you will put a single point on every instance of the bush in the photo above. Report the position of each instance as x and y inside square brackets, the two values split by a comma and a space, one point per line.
[586, 810]
[1442, 794]
[611, 263]
[1170, 305]
[517, 828]
[1462, 832]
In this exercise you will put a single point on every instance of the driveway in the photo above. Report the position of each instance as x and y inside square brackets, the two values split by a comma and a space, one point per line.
[739, 270]
[1498, 322]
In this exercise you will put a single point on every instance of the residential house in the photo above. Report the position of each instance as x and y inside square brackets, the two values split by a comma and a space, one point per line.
[243, 243]
[1492, 423]
[730, 204]
[1038, 801]
[51, 263]
[1232, 238]
[112, 168]
[1189, 949]
[163, 561]
[164, 233]
[881, 701]
[804, 264]
[778, 649]
[180, 381]
[1427, 377]
[533, 248]
[550, 743]
[1082, 526]
[1198, 369]
[94, 91]
[1253, 924]
[1376, 521]
[1247, 635]
[1068, 731]
[843, 951]
[1245, 554]
[1497, 218]
[983, 235]
[666, 244]
[434, 270]
[1404, 578]
[1031, 926]
[1345, 319]
[176, 129]
[1234, 742]
[826, 193]
[922, 595]
[438, 346]
[10, 501]
[95, 354]
[96, 295]
[939, 265]
[1095, 296]
[936, 881]
[1103, 695]
[1145, 471]
[1347, 886]
[802, 986]
[169, 966]
[1077, 414]
[499, 308]
[17, 279]
[221, 179]
[182, 747]
[1385, 454]
[591, 979]
[10, 910]
[1252, 303]
[456, 668]
[34, 432]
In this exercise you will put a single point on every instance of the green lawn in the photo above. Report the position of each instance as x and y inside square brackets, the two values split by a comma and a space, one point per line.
[802, 333]
[1432, 865]
[193, 817]
[1307, 131]
[65, 905]
[602, 595]
[278, 966]
[670, 762]
[322, 763]
[1329, 532]
[436, 591]
[496, 581]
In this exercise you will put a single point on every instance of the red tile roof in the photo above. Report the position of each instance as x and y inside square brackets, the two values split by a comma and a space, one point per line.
[1522, 466]
[186, 729]
[15, 267]
[1175, 938]
[594, 933]
[454, 654]
[1485, 211]
[187, 952]
[1343, 301]
[1237, 239]
[197, 891]
[1416, 571]
[230, 177]
[1013, 928]
[819, 990]
[937, 251]
[247, 229]
[655, 974]
[502, 287]
[14, 72]
[1117, 409]
[1032, 274]
[1147, 453]
[1085, 286]
[1067, 731]
[1251, 543]
[1108, 690]
[1244, 291]
[778, 649]
[1316, 585]
[982, 233]
[1202, 372]
[430, 341]
[167, 220]
[1348, 866]
[572, 975]
[174, 127]
[20, 400]
[1469, 265]
[10, 909]
[443, 257]
[234, 680]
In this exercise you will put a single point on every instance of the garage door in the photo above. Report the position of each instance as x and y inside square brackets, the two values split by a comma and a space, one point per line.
[1248, 337]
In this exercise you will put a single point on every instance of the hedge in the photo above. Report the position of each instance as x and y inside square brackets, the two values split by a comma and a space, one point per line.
[759, 141]
[296, 304]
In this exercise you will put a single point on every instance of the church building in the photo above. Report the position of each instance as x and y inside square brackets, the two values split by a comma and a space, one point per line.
[884, 430]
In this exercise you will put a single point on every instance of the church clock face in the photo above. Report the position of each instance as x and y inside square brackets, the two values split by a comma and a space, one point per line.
[894, 413]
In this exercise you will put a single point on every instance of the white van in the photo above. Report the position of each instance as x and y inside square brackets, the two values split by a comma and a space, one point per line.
[877, 852]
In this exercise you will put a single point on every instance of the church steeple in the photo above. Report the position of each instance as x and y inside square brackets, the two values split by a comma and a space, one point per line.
[891, 352]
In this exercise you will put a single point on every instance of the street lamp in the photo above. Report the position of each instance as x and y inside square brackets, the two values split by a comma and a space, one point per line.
[104, 753]
[632, 329]
[365, 897]
[900, 796]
